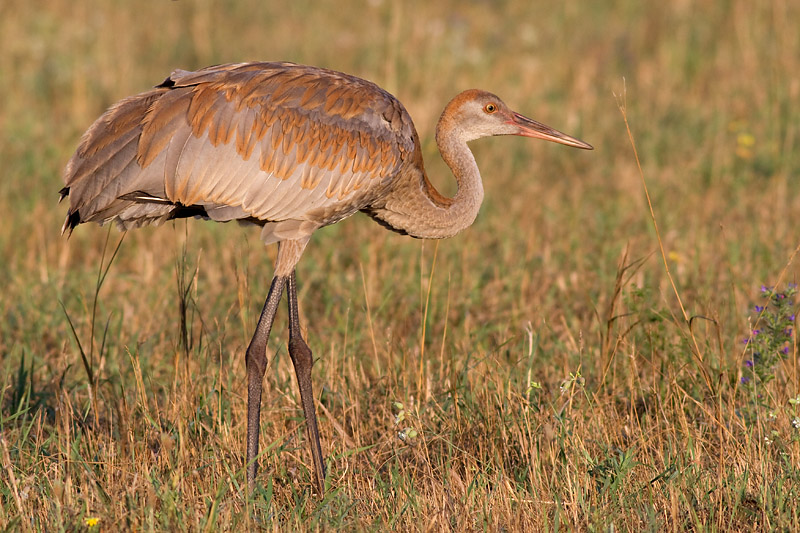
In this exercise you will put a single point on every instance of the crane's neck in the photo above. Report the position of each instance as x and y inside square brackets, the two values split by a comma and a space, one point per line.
[415, 206]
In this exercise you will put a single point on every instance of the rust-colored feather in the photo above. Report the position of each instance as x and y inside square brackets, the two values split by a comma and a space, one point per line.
[201, 111]
[246, 135]
[160, 124]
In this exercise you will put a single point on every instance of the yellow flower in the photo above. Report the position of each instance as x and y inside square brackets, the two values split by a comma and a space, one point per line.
[744, 144]
[745, 139]
[91, 522]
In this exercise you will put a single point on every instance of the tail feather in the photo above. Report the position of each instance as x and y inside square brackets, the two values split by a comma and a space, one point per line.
[72, 220]
[105, 166]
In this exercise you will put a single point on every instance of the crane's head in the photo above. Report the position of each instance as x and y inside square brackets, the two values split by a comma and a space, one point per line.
[475, 114]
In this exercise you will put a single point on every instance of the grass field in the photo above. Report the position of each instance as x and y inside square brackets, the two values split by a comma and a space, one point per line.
[562, 365]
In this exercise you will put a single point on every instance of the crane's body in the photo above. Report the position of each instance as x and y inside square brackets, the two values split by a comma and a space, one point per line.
[288, 147]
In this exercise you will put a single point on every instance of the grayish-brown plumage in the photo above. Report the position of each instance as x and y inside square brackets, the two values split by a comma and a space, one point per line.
[290, 148]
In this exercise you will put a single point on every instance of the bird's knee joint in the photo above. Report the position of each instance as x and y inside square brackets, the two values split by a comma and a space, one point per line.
[298, 349]
[256, 361]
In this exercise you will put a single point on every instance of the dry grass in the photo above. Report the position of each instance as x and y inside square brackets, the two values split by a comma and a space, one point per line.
[541, 358]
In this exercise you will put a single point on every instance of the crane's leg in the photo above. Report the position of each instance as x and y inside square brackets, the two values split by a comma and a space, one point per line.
[256, 361]
[302, 359]
[289, 253]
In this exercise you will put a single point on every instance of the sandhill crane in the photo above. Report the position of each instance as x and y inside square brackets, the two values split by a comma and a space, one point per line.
[290, 148]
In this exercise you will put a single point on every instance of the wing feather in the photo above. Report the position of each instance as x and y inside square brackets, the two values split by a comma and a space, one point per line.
[293, 147]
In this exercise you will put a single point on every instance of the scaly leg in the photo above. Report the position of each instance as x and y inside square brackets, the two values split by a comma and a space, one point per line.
[302, 359]
[289, 253]
[256, 361]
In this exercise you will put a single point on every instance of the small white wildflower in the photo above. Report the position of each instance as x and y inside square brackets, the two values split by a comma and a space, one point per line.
[767, 441]
[573, 380]
[407, 434]
[771, 416]
[796, 422]
[401, 412]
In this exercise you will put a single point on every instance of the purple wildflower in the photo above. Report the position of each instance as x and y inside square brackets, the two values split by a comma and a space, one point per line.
[785, 350]
[759, 308]
[792, 285]
[748, 363]
[791, 317]
[745, 380]
[756, 332]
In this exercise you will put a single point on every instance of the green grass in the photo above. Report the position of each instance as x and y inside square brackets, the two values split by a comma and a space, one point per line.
[545, 373]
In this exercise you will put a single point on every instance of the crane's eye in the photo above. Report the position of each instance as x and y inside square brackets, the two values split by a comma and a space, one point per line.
[490, 108]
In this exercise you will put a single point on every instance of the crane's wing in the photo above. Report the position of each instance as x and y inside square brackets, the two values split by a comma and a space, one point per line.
[287, 146]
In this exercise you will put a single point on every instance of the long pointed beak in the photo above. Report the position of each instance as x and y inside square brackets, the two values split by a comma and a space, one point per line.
[531, 128]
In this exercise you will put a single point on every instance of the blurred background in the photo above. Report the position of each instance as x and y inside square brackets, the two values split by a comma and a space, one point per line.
[561, 276]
